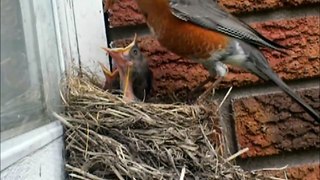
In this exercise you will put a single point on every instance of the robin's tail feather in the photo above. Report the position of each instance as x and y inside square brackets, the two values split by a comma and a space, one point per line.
[265, 72]
[275, 46]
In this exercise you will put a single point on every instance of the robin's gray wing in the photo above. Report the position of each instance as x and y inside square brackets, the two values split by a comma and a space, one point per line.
[208, 14]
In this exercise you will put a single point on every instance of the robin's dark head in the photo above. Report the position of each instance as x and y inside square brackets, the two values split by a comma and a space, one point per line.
[135, 53]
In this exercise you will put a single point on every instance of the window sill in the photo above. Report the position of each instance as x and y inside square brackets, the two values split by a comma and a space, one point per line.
[19, 147]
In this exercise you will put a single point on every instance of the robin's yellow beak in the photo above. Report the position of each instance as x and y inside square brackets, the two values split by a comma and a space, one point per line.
[110, 77]
[118, 54]
[107, 73]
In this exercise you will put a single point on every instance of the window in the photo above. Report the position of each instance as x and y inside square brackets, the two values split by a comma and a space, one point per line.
[30, 68]
[40, 39]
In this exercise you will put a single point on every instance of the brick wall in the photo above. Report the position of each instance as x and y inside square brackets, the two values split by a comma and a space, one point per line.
[256, 114]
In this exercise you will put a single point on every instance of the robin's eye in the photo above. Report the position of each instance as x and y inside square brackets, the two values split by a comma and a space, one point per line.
[135, 52]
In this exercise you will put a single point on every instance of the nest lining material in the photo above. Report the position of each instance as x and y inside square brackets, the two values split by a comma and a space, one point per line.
[107, 138]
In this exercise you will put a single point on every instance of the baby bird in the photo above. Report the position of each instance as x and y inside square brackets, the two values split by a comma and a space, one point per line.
[133, 71]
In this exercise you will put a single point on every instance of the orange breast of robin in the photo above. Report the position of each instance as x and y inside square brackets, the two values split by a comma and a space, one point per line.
[181, 37]
[192, 41]
[186, 39]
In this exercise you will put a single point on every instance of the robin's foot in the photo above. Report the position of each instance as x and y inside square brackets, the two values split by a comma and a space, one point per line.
[211, 89]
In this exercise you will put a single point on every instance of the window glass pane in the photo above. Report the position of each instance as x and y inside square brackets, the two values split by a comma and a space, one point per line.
[22, 95]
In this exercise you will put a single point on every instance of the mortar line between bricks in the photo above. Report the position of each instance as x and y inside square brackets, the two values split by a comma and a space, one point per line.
[252, 17]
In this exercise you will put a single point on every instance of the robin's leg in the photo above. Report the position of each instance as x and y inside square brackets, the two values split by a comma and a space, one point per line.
[197, 89]
[210, 89]
[221, 70]
[202, 84]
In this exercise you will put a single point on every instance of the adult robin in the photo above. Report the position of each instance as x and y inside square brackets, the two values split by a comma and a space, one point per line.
[133, 71]
[202, 31]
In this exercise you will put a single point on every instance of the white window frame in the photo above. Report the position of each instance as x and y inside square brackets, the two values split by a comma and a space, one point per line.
[20, 146]
[74, 48]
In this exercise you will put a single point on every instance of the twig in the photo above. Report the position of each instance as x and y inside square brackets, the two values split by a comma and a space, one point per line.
[285, 175]
[171, 160]
[214, 153]
[237, 154]
[87, 142]
[63, 98]
[117, 173]
[183, 172]
[271, 169]
[275, 178]
[77, 176]
[224, 99]
[83, 172]
[62, 119]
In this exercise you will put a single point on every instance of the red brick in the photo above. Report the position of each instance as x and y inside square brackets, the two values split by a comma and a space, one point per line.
[126, 12]
[273, 123]
[173, 74]
[301, 172]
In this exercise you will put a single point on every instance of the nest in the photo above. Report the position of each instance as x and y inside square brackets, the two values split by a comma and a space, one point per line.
[107, 138]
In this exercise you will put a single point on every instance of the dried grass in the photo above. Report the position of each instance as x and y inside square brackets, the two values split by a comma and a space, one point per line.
[107, 138]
